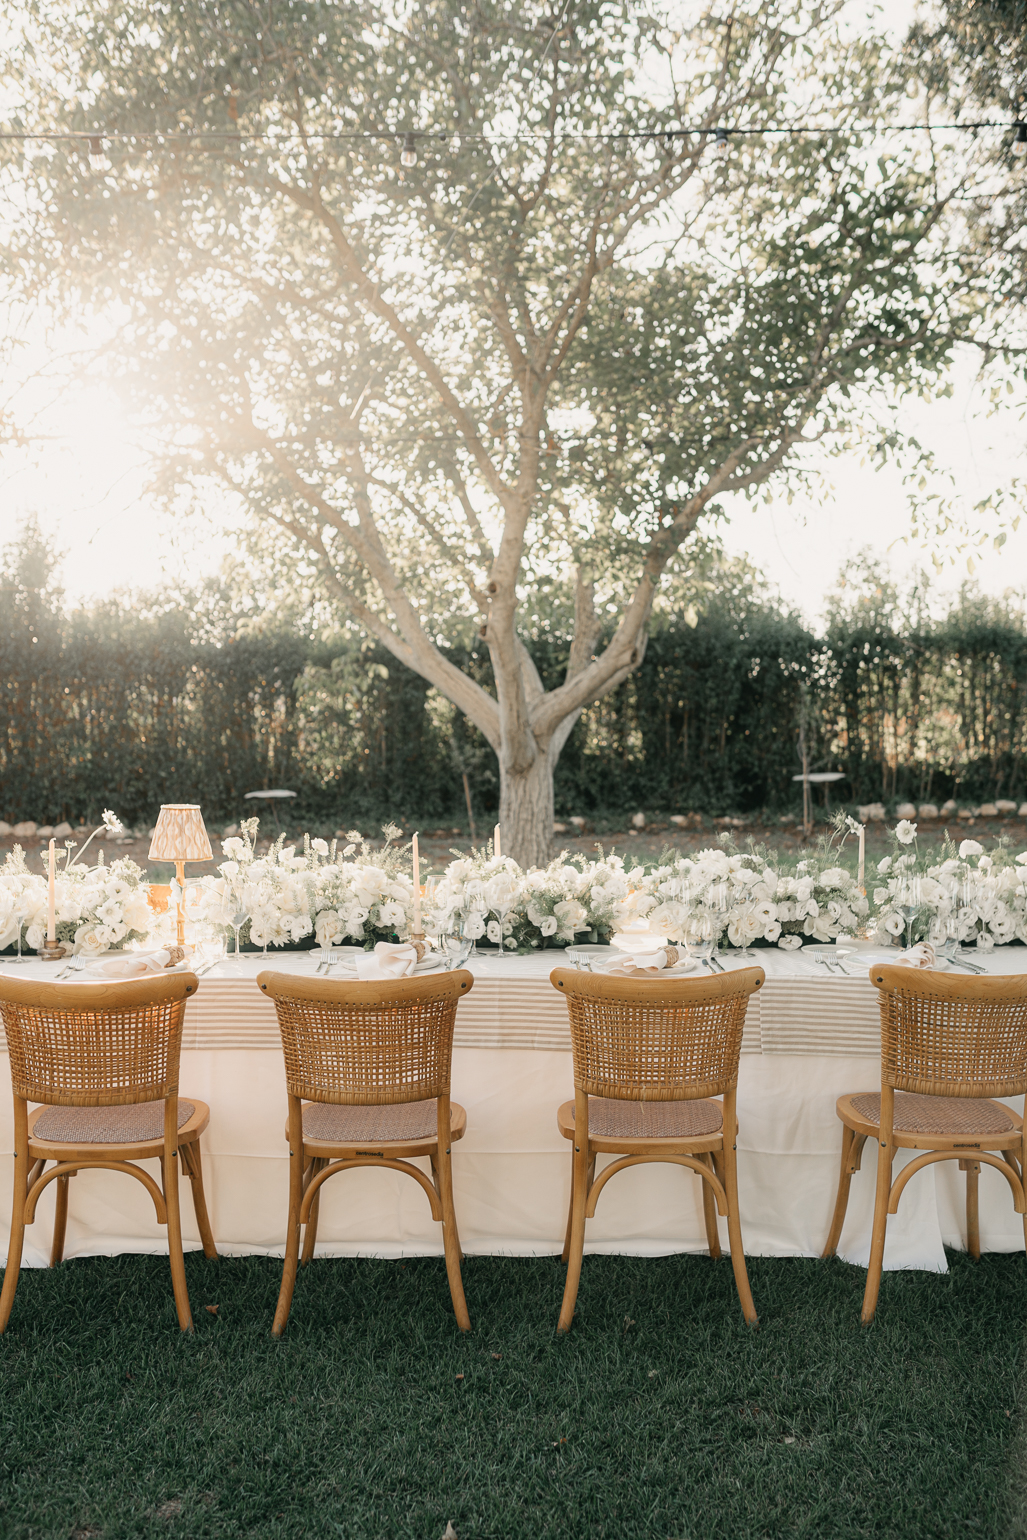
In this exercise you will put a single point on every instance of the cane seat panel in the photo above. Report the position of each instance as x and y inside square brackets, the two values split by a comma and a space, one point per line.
[937, 1115]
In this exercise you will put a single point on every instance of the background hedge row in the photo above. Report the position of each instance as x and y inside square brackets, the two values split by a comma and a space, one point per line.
[118, 708]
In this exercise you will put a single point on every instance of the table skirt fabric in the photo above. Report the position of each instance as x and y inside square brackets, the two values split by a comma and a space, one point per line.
[810, 1040]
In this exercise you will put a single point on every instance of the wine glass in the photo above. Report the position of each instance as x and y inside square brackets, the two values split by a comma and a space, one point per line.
[475, 904]
[236, 914]
[431, 888]
[21, 914]
[908, 905]
[457, 948]
[702, 947]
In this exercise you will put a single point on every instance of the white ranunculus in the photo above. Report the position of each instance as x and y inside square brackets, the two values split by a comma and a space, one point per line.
[970, 848]
[835, 877]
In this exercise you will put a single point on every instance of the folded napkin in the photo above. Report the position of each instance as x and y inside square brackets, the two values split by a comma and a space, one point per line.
[920, 956]
[386, 962]
[132, 965]
[645, 962]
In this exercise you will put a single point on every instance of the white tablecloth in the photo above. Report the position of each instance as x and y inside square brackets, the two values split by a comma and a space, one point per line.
[809, 1038]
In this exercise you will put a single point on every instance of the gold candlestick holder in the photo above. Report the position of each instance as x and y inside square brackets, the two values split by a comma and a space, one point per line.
[51, 951]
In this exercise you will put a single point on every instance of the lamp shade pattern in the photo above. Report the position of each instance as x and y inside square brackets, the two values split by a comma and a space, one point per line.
[180, 834]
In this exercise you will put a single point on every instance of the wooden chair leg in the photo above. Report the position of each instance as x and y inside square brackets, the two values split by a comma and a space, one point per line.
[60, 1221]
[192, 1162]
[852, 1147]
[310, 1228]
[17, 1238]
[734, 1231]
[576, 1236]
[172, 1198]
[885, 1157]
[565, 1254]
[451, 1239]
[709, 1210]
[292, 1239]
[973, 1217]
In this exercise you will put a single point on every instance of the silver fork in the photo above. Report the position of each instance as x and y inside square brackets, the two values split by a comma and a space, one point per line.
[325, 960]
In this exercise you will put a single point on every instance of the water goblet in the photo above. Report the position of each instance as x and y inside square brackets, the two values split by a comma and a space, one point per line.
[475, 909]
[236, 915]
[21, 914]
[909, 906]
[457, 948]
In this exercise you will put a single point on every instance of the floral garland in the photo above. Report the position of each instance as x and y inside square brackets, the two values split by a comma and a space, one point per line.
[97, 909]
[966, 896]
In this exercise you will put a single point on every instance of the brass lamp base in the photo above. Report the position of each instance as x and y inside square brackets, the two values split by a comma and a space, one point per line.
[51, 951]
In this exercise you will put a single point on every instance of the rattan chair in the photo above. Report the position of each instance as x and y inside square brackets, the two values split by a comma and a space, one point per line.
[103, 1060]
[367, 1067]
[947, 1045]
[648, 1056]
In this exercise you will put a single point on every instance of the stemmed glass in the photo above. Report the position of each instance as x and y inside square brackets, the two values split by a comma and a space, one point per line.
[21, 914]
[235, 912]
[431, 888]
[476, 904]
[909, 905]
[703, 947]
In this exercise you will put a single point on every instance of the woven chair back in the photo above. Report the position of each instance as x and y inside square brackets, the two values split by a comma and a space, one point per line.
[948, 1036]
[95, 1045]
[364, 1044]
[656, 1040]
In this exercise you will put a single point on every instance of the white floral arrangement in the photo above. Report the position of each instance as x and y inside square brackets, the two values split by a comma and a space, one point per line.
[96, 909]
[489, 898]
[738, 898]
[967, 895]
[284, 896]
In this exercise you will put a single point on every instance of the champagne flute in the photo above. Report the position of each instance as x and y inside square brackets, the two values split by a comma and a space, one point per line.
[476, 904]
[236, 914]
[457, 948]
[21, 914]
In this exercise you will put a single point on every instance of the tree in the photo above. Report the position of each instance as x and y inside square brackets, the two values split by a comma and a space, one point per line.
[459, 297]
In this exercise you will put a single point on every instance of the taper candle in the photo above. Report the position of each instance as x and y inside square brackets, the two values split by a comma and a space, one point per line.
[417, 887]
[862, 855]
[495, 842]
[51, 898]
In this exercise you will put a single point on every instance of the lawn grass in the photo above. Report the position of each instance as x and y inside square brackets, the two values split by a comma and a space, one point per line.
[660, 1416]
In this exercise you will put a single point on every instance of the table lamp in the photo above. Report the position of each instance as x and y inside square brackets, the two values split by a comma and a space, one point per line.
[180, 837]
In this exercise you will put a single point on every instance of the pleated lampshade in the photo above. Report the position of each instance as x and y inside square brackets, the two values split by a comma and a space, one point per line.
[180, 834]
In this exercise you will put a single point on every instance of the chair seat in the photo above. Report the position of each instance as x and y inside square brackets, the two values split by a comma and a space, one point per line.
[610, 1118]
[399, 1123]
[136, 1123]
[938, 1116]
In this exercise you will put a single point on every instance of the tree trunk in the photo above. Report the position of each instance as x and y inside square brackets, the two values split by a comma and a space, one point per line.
[526, 810]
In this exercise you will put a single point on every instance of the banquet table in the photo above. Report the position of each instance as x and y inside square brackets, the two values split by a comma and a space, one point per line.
[810, 1036]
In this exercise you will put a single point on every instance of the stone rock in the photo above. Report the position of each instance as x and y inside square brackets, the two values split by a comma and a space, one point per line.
[638, 820]
[1022, 810]
[62, 831]
[45, 833]
[949, 807]
[927, 810]
[24, 831]
[905, 810]
[965, 815]
[872, 812]
[558, 828]
[679, 819]
[789, 818]
[737, 823]
[5, 829]
[987, 810]
[230, 831]
[578, 823]
[1006, 809]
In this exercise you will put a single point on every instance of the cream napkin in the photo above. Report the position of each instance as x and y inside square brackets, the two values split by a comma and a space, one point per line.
[130, 965]
[920, 956]
[645, 962]
[386, 962]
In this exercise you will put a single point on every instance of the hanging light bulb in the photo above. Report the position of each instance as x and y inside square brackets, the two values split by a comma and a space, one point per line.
[408, 156]
[720, 143]
[1019, 144]
[97, 159]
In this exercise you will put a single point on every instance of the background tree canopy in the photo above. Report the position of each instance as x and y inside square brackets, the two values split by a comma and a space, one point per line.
[459, 299]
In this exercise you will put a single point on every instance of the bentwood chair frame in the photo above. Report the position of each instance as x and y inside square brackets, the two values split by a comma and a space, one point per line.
[103, 1046]
[386, 1046]
[655, 1041]
[960, 1041]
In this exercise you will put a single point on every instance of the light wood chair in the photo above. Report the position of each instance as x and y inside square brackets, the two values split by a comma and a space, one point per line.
[947, 1045]
[103, 1059]
[367, 1067]
[648, 1056]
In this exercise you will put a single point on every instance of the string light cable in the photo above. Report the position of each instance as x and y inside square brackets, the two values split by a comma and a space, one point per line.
[96, 141]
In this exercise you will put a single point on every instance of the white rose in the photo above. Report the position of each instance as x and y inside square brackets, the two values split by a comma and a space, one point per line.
[884, 866]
